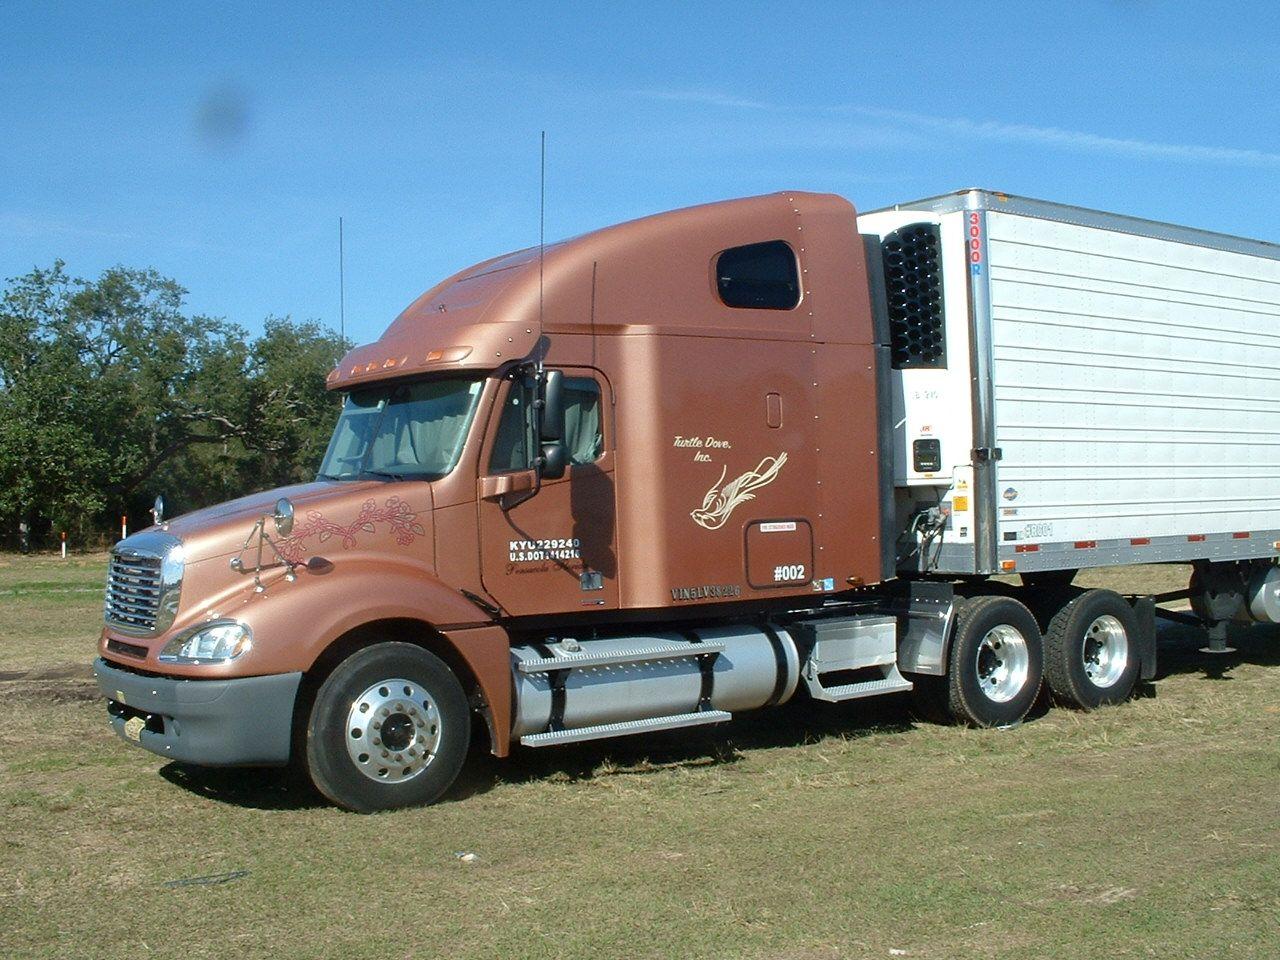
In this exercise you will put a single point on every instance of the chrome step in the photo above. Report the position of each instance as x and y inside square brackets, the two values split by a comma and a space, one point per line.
[891, 682]
[671, 651]
[650, 725]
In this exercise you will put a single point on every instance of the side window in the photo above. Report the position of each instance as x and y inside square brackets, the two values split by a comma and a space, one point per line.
[762, 276]
[582, 430]
[515, 444]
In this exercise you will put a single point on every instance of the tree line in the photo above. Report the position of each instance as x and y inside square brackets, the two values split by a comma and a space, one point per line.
[111, 393]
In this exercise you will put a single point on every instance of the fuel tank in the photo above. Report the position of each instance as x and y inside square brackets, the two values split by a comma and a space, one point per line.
[569, 684]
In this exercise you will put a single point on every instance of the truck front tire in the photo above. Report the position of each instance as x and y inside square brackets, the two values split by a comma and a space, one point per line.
[996, 662]
[389, 728]
[1091, 653]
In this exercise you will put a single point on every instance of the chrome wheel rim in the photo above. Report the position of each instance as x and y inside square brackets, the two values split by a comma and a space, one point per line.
[1105, 651]
[393, 731]
[1002, 663]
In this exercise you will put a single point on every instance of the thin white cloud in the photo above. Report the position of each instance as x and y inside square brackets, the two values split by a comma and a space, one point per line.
[29, 227]
[996, 131]
[707, 97]
[1073, 139]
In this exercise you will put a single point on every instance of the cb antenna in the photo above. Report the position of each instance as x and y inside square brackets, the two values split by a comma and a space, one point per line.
[342, 289]
[542, 232]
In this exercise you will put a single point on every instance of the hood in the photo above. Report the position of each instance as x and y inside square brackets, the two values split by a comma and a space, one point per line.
[221, 530]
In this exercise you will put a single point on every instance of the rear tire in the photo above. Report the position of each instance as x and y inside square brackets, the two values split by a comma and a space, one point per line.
[390, 727]
[996, 662]
[1091, 652]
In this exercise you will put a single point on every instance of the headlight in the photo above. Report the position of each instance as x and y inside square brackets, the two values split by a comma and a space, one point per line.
[215, 642]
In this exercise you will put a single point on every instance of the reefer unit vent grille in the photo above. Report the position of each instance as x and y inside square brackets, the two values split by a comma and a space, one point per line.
[913, 283]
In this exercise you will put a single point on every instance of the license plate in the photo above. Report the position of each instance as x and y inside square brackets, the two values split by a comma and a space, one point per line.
[133, 728]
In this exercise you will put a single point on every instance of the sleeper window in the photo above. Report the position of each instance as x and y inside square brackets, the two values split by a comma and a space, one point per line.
[759, 275]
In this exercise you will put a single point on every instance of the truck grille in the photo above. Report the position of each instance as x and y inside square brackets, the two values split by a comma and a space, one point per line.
[133, 593]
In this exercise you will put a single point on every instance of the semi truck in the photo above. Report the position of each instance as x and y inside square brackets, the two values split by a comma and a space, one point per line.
[707, 461]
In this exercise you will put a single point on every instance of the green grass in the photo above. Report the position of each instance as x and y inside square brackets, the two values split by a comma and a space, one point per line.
[805, 832]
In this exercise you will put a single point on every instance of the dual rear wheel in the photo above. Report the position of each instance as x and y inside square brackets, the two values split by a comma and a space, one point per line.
[998, 659]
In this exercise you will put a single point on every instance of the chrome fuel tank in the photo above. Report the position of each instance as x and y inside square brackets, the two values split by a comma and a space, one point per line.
[569, 684]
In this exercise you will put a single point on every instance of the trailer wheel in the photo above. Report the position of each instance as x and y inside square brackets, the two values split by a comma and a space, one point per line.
[1091, 653]
[389, 728]
[996, 662]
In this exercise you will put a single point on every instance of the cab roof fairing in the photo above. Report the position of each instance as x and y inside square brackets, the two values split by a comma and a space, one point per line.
[651, 275]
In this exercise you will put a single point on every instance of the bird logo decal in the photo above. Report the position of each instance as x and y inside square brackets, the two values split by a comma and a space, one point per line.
[721, 501]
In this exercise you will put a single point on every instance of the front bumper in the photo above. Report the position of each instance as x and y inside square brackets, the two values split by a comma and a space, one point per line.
[247, 721]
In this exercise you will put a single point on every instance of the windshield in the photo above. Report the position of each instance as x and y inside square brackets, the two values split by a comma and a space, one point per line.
[413, 430]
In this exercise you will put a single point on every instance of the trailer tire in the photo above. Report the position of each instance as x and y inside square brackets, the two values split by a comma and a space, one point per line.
[996, 662]
[1091, 650]
[389, 728]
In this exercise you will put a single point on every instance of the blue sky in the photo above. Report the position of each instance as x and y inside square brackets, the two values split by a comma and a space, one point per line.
[219, 143]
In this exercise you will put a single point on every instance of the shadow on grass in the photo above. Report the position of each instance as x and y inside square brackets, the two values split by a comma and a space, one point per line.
[794, 724]
[1180, 652]
[255, 788]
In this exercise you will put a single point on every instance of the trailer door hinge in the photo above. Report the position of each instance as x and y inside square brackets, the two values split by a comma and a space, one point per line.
[983, 454]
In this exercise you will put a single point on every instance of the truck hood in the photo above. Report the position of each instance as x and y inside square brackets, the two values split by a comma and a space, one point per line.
[221, 530]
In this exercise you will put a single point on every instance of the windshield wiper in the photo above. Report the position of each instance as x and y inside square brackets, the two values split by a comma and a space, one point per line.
[382, 474]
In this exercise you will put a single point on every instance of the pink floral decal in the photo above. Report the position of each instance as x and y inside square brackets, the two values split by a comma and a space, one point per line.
[397, 514]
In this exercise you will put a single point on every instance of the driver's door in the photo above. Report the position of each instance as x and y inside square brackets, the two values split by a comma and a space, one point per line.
[554, 551]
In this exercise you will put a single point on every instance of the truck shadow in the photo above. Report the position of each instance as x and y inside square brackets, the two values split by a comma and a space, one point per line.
[254, 788]
[795, 724]
[1180, 653]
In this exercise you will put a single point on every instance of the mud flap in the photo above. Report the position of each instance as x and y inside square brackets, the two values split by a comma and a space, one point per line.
[1145, 609]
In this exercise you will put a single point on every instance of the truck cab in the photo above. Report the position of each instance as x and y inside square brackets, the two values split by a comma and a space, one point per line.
[626, 437]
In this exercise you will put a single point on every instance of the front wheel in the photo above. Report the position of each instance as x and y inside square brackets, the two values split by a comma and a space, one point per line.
[996, 662]
[389, 728]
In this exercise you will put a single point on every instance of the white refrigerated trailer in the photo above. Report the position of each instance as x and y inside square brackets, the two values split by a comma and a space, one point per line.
[1091, 390]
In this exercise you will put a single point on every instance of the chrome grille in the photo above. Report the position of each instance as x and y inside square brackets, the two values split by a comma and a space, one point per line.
[133, 592]
[143, 583]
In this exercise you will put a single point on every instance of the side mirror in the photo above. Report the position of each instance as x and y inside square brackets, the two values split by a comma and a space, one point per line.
[554, 460]
[551, 406]
[157, 511]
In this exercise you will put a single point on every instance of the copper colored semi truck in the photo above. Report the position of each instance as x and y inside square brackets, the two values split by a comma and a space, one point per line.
[707, 461]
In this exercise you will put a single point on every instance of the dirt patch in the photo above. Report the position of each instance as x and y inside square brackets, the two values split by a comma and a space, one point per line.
[63, 683]
[62, 671]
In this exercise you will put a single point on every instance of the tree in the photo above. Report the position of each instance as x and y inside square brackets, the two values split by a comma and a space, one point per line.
[110, 392]
[296, 413]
